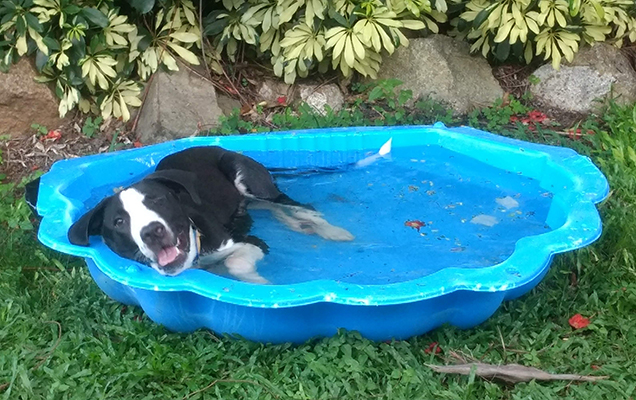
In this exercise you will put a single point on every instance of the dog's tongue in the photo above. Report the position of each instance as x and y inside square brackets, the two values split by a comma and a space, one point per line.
[167, 255]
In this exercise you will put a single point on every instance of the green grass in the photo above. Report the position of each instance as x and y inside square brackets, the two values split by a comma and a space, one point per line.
[61, 338]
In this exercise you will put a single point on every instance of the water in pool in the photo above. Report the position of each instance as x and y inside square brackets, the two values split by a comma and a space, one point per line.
[421, 210]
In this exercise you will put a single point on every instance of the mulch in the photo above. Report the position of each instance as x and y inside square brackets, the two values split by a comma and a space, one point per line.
[29, 153]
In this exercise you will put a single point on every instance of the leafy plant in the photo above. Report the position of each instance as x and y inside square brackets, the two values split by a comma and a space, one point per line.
[94, 55]
[301, 36]
[553, 29]
[91, 126]
[40, 129]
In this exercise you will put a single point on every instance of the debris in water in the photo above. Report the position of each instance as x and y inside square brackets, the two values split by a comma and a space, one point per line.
[507, 202]
[415, 224]
[486, 220]
[413, 188]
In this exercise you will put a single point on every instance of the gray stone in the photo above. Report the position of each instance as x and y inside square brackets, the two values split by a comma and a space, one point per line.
[24, 102]
[179, 104]
[441, 68]
[270, 91]
[319, 96]
[596, 73]
[227, 104]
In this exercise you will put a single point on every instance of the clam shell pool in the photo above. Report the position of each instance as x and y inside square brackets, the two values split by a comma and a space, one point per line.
[447, 226]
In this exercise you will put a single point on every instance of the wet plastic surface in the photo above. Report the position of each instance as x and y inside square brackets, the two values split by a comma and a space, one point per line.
[451, 224]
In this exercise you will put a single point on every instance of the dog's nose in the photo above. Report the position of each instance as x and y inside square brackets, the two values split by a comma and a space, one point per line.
[153, 232]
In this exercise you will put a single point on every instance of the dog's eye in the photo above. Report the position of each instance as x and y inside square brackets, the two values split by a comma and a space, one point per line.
[118, 222]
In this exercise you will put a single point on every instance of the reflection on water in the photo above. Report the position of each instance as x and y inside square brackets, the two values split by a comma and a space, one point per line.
[422, 210]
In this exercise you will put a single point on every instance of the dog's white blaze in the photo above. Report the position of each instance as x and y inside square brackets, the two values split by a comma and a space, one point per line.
[140, 216]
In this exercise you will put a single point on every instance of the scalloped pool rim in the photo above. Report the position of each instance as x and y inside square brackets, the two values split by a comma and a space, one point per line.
[527, 264]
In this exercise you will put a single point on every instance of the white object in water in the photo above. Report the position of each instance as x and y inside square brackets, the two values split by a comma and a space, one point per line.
[507, 202]
[486, 220]
[384, 150]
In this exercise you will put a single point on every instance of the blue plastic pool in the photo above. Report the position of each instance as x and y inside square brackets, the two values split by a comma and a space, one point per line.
[455, 221]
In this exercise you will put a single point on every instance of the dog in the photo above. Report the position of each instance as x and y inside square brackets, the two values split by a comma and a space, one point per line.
[191, 212]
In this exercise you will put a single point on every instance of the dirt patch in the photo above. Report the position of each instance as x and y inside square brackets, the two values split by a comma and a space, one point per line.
[513, 78]
[39, 150]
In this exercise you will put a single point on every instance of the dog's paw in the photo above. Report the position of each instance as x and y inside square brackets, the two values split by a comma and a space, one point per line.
[334, 233]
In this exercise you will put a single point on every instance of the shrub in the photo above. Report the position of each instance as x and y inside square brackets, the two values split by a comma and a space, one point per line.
[553, 29]
[92, 52]
[302, 35]
[97, 53]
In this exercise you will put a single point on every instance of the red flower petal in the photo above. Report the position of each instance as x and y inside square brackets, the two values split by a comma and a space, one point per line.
[282, 100]
[578, 321]
[137, 144]
[595, 367]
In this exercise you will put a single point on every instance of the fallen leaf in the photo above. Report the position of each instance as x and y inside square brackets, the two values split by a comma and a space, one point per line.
[512, 373]
[415, 224]
[578, 321]
[53, 134]
[137, 144]
[537, 116]
[245, 109]
[433, 347]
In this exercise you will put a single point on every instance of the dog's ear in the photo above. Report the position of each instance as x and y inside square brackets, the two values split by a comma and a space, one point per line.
[89, 224]
[182, 179]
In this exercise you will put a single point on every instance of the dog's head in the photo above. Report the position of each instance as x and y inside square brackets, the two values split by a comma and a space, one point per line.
[146, 222]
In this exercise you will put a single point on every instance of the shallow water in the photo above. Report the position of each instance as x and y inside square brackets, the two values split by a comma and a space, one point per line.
[469, 215]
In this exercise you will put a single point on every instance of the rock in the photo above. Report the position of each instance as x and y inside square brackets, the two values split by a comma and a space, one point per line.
[596, 72]
[319, 96]
[227, 104]
[24, 102]
[441, 68]
[274, 92]
[179, 104]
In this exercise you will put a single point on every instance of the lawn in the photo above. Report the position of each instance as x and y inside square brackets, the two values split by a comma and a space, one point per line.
[61, 338]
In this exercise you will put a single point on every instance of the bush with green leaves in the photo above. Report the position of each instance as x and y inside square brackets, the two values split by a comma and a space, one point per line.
[92, 52]
[553, 29]
[97, 53]
[299, 36]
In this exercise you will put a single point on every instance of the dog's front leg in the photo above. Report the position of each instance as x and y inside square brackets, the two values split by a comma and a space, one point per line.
[241, 263]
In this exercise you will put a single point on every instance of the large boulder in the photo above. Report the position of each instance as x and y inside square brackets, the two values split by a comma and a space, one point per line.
[441, 68]
[24, 102]
[596, 73]
[179, 104]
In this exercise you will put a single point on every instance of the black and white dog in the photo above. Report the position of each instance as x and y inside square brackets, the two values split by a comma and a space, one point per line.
[192, 212]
